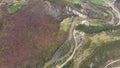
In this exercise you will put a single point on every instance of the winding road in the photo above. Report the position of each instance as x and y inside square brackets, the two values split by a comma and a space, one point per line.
[75, 48]
[111, 4]
[56, 57]
[72, 36]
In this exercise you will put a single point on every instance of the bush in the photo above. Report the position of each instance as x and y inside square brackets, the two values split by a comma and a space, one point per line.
[52, 1]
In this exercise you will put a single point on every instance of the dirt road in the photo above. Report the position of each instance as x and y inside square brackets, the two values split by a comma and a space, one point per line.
[111, 4]
[111, 63]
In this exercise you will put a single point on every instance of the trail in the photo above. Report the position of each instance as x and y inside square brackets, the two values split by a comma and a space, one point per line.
[112, 20]
[112, 63]
[111, 4]
[73, 34]
[76, 46]
[56, 57]
[72, 53]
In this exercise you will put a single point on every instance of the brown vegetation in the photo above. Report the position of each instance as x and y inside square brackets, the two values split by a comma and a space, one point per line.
[28, 35]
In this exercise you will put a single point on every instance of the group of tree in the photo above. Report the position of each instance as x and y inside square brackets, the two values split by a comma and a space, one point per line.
[96, 29]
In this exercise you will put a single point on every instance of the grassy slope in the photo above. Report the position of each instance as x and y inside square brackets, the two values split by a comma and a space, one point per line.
[103, 53]
[100, 2]
[102, 47]
[96, 1]
[14, 8]
[73, 1]
[65, 24]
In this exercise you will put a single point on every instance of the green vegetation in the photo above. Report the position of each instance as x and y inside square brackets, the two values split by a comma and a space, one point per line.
[86, 45]
[98, 40]
[98, 48]
[96, 29]
[65, 24]
[102, 37]
[69, 64]
[96, 1]
[52, 1]
[73, 1]
[108, 51]
[77, 6]
[111, 0]
[65, 48]
[92, 44]
[23, 2]
[14, 8]
[100, 2]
